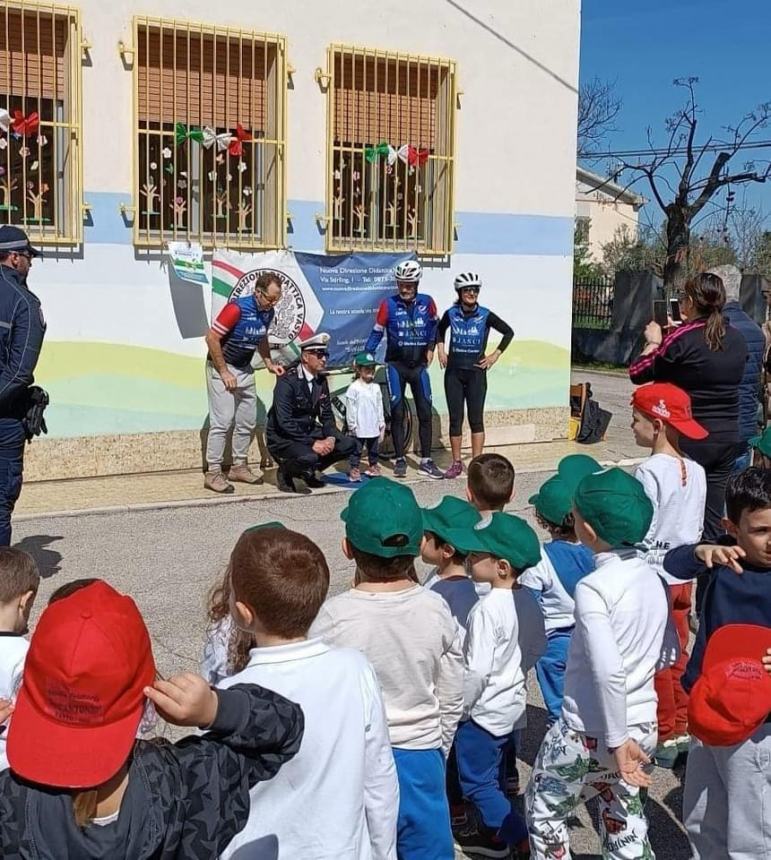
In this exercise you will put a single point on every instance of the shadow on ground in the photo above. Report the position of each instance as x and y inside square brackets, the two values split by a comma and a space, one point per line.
[48, 560]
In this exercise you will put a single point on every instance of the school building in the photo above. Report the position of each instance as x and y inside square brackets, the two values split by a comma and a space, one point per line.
[442, 127]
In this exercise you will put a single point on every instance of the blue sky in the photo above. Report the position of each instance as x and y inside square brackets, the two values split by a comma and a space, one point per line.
[644, 44]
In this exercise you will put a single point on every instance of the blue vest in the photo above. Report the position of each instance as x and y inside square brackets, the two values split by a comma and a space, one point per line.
[571, 563]
[240, 344]
[468, 335]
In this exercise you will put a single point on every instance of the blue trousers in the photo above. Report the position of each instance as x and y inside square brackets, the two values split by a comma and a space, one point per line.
[423, 830]
[550, 671]
[12, 441]
[480, 756]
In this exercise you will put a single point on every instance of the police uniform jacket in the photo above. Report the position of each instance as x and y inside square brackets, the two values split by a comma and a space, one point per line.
[22, 328]
[300, 413]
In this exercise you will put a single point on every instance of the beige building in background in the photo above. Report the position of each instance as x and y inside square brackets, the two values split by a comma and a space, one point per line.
[602, 207]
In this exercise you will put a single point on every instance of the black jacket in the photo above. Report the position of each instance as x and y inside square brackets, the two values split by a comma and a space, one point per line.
[183, 801]
[22, 328]
[711, 378]
[749, 388]
[296, 414]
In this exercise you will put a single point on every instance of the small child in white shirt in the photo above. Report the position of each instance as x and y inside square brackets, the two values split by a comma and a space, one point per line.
[19, 582]
[339, 796]
[365, 416]
[606, 732]
[677, 488]
[495, 696]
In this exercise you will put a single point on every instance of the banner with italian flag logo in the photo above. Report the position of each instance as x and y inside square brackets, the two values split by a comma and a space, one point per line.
[337, 294]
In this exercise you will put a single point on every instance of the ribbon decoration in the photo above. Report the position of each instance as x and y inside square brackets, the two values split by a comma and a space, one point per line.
[236, 145]
[372, 153]
[5, 120]
[25, 125]
[210, 138]
[183, 133]
[416, 157]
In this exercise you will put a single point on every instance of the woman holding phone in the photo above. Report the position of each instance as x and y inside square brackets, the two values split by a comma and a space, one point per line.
[466, 363]
[704, 356]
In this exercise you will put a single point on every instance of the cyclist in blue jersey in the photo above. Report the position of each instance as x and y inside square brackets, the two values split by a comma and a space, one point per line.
[408, 321]
[466, 364]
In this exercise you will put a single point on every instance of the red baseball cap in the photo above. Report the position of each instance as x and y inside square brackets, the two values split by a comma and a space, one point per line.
[671, 405]
[81, 699]
[732, 697]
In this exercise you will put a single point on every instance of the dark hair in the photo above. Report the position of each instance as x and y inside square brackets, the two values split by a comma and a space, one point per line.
[748, 491]
[707, 293]
[491, 480]
[282, 576]
[376, 568]
[563, 530]
[241, 642]
[71, 587]
[457, 556]
[18, 574]
[265, 280]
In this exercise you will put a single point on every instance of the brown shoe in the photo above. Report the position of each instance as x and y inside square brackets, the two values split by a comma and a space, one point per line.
[216, 482]
[244, 474]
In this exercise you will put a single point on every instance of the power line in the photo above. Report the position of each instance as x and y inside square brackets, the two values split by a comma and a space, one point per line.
[678, 150]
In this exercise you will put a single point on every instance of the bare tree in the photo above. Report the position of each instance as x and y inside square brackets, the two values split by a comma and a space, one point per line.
[686, 176]
[598, 107]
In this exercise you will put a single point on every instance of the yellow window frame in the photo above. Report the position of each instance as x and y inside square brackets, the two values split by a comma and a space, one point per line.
[273, 213]
[438, 231]
[65, 132]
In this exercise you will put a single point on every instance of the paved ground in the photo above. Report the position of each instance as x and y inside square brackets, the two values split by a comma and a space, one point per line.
[168, 558]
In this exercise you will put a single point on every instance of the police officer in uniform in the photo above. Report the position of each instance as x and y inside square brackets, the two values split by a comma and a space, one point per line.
[22, 328]
[301, 433]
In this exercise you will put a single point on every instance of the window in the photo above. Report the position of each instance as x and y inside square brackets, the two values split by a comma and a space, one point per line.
[391, 130]
[40, 85]
[210, 160]
[583, 226]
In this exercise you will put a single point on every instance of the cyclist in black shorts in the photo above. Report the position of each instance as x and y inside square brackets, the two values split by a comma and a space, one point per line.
[466, 365]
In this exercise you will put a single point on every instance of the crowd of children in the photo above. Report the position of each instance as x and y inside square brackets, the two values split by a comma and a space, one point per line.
[383, 723]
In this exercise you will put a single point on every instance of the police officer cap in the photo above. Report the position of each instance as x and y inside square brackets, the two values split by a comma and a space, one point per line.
[317, 341]
[15, 239]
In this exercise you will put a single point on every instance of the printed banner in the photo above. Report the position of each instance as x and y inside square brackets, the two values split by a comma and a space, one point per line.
[186, 260]
[337, 294]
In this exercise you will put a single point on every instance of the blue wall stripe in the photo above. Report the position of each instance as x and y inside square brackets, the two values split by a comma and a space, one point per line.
[478, 232]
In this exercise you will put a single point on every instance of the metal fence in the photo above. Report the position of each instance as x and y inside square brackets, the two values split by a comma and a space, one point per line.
[593, 303]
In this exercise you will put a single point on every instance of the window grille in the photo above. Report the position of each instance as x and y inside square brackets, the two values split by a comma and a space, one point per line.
[391, 150]
[40, 121]
[210, 154]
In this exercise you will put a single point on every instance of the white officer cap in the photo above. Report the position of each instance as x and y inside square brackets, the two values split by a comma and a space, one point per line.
[316, 341]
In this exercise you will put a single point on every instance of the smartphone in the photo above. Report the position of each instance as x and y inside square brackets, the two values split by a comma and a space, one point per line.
[674, 310]
[661, 312]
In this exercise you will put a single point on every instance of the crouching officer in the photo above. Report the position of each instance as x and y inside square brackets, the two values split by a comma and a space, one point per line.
[22, 328]
[301, 433]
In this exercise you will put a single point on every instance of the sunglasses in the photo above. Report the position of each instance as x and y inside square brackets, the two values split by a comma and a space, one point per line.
[319, 353]
[474, 290]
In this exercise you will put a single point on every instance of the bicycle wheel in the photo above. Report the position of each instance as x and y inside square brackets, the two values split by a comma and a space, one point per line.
[387, 447]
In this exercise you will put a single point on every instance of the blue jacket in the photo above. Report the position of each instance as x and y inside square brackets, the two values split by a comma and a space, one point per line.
[22, 328]
[410, 329]
[241, 342]
[749, 387]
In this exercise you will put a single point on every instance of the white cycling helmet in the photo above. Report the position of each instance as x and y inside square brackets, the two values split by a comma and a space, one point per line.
[410, 271]
[468, 279]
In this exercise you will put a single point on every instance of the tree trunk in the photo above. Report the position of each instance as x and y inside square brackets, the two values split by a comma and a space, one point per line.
[678, 240]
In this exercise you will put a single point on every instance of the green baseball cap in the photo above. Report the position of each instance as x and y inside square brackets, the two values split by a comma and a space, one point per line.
[575, 467]
[364, 359]
[554, 501]
[615, 505]
[272, 525]
[763, 442]
[503, 536]
[451, 513]
[382, 510]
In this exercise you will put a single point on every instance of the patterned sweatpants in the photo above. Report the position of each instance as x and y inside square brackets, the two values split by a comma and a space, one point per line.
[570, 769]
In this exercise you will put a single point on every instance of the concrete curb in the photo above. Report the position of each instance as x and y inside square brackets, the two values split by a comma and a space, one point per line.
[140, 507]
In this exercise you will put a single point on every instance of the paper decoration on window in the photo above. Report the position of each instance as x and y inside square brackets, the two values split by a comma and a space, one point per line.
[243, 212]
[34, 165]
[38, 201]
[212, 175]
[236, 146]
[178, 207]
[149, 191]
[166, 152]
[3, 143]
[241, 166]
[183, 133]
[407, 153]
[210, 138]
[153, 165]
[247, 192]
[5, 120]
[24, 151]
[42, 140]
[25, 125]
[8, 185]
[373, 153]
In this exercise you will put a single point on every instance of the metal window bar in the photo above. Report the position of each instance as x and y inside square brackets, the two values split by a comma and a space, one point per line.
[41, 166]
[390, 151]
[593, 303]
[210, 141]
